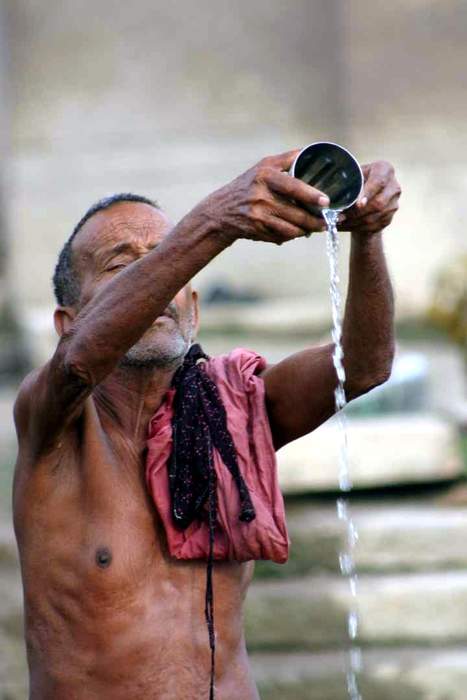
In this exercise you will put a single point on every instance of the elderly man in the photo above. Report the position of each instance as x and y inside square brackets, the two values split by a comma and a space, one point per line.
[115, 589]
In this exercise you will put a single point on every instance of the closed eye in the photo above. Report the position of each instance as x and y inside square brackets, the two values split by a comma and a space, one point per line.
[113, 268]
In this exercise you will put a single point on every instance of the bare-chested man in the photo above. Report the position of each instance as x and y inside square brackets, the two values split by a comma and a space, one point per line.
[109, 615]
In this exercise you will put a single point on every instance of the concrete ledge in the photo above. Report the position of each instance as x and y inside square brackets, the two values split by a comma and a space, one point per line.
[387, 674]
[271, 316]
[392, 538]
[397, 449]
[311, 613]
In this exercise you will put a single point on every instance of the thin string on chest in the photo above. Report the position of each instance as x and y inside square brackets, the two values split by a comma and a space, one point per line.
[199, 425]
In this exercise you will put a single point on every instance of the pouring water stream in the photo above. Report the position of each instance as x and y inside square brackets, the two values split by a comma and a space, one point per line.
[346, 556]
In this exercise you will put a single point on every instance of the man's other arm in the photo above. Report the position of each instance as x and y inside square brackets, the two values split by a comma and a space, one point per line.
[300, 389]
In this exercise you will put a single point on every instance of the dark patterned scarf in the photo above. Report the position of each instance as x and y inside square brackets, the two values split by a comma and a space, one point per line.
[199, 424]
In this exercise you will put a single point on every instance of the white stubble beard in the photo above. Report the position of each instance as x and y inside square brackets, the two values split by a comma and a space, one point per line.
[164, 355]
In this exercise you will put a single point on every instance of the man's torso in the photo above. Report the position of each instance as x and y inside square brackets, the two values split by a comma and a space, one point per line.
[108, 612]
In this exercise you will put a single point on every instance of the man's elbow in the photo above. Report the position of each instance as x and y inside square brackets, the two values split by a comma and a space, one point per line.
[72, 363]
[374, 377]
[78, 374]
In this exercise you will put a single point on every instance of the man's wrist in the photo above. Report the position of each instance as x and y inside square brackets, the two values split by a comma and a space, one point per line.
[205, 229]
[361, 239]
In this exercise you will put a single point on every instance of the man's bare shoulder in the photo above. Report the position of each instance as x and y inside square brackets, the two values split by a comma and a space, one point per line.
[49, 400]
[24, 402]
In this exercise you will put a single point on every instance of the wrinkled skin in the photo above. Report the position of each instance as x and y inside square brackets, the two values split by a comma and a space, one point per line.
[108, 614]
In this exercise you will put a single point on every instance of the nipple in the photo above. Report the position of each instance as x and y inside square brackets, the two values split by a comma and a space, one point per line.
[103, 557]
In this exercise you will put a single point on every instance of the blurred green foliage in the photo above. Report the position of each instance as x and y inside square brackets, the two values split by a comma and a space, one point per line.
[448, 310]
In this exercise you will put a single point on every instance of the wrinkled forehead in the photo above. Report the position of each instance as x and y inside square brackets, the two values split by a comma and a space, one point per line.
[134, 225]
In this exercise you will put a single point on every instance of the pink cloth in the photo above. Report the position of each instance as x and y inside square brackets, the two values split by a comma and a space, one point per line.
[265, 537]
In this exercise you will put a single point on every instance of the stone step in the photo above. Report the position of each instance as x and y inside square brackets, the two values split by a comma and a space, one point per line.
[11, 606]
[8, 550]
[386, 450]
[311, 612]
[387, 674]
[393, 537]
[13, 668]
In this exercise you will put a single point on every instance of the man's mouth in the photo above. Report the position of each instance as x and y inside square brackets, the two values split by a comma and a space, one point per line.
[166, 314]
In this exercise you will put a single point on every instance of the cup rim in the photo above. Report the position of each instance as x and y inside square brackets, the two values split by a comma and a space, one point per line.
[342, 148]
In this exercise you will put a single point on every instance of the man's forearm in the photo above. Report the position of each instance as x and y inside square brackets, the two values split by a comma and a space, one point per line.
[368, 331]
[117, 317]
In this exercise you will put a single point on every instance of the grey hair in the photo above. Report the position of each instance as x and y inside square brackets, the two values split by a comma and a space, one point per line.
[66, 283]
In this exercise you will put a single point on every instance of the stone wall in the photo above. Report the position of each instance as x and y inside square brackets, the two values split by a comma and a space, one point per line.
[173, 99]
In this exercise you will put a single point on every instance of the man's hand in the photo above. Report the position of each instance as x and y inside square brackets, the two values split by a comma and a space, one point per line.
[379, 201]
[265, 204]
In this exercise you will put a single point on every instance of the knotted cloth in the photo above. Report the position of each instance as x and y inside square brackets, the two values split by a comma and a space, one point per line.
[211, 467]
[199, 424]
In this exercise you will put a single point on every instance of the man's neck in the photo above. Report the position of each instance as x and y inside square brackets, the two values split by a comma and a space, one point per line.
[134, 394]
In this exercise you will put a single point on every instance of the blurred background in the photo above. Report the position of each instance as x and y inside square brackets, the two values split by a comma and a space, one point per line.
[172, 100]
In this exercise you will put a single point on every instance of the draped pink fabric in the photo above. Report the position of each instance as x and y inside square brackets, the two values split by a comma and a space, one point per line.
[242, 392]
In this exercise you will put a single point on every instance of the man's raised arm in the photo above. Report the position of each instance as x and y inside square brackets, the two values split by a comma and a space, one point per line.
[300, 389]
[263, 204]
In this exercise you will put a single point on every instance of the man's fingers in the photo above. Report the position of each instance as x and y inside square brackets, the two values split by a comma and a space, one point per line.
[368, 224]
[281, 161]
[377, 177]
[389, 203]
[298, 216]
[379, 201]
[292, 188]
[283, 231]
[372, 187]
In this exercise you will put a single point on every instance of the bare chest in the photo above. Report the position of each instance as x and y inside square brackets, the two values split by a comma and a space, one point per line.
[94, 554]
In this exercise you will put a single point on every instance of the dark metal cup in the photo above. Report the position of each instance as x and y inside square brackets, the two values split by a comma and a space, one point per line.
[332, 170]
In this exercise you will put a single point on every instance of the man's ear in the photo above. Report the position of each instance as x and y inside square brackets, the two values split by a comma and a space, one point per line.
[63, 319]
[195, 302]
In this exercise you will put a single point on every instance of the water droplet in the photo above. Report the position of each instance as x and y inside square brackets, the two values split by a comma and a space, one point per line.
[341, 509]
[346, 563]
[352, 687]
[344, 482]
[352, 535]
[353, 624]
[356, 660]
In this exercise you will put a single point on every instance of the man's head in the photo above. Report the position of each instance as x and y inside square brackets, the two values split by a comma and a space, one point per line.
[113, 233]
